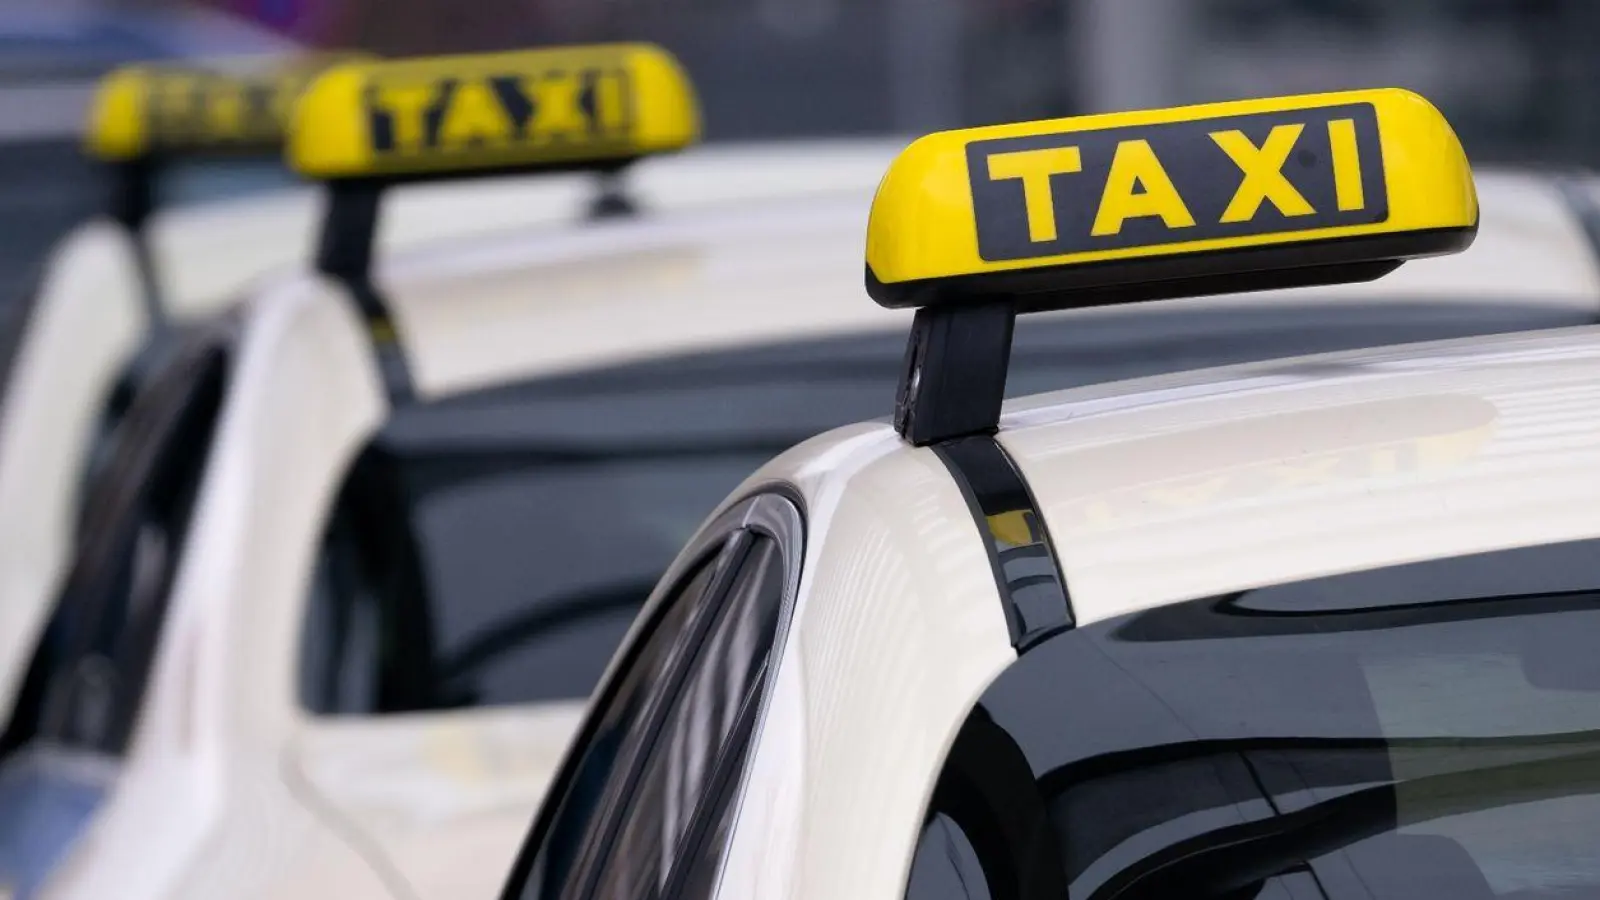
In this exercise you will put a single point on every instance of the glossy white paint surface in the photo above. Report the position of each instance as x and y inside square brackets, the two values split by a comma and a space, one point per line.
[208, 254]
[1155, 491]
[1199, 484]
[897, 628]
[88, 314]
[89, 321]
[527, 304]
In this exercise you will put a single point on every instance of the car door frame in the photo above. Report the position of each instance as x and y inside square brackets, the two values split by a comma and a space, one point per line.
[205, 364]
[775, 512]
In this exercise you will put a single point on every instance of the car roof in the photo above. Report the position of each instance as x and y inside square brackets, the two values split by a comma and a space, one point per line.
[538, 300]
[1204, 483]
[532, 304]
[1153, 491]
[205, 251]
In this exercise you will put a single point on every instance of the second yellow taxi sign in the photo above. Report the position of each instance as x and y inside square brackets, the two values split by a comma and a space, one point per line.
[1171, 190]
[524, 110]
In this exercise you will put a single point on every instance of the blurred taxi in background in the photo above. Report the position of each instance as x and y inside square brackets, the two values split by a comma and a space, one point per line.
[295, 555]
[105, 309]
[120, 293]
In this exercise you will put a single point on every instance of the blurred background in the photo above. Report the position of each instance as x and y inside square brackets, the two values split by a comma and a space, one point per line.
[1516, 77]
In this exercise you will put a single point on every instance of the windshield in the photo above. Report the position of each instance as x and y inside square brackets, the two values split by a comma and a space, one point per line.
[1428, 730]
[492, 548]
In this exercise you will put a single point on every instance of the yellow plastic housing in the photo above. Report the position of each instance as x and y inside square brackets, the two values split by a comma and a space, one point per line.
[1103, 199]
[143, 111]
[572, 106]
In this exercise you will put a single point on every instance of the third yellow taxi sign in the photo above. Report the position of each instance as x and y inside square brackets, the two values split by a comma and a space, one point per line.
[564, 106]
[1169, 184]
[147, 111]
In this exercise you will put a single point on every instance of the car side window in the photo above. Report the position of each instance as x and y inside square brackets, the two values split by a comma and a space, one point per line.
[645, 808]
[93, 663]
[698, 861]
[692, 752]
[946, 866]
[617, 715]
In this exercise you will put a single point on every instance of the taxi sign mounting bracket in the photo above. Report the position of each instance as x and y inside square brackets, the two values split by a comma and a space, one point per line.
[612, 200]
[344, 249]
[954, 377]
[344, 252]
[130, 201]
[132, 194]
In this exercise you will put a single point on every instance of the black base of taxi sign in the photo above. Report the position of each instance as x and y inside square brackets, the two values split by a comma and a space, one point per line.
[978, 225]
[1335, 261]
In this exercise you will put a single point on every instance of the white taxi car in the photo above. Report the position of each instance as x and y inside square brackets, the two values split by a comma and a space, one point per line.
[1312, 628]
[322, 658]
[95, 328]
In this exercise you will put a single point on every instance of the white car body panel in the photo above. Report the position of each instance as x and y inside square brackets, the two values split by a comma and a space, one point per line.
[208, 254]
[1155, 491]
[1199, 485]
[520, 308]
[895, 589]
[444, 797]
[88, 313]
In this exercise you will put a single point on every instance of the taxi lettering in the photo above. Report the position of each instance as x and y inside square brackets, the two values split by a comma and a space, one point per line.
[1175, 182]
[576, 106]
[196, 110]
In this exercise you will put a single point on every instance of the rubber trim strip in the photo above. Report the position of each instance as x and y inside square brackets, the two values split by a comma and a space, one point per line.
[1026, 571]
[1585, 208]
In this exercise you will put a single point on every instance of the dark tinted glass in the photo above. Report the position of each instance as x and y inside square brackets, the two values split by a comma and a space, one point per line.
[599, 777]
[1418, 731]
[502, 545]
[946, 866]
[649, 807]
[686, 752]
[163, 354]
[501, 541]
[15, 319]
[86, 683]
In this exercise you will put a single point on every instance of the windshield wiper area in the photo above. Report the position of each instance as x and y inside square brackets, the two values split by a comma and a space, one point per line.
[1234, 861]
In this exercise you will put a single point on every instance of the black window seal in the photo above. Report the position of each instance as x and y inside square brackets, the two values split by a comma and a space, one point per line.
[780, 520]
[994, 489]
[726, 775]
[708, 548]
[775, 509]
[206, 351]
[1585, 208]
[593, 863]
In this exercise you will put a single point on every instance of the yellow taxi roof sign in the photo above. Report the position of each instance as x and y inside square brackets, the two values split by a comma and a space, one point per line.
[1146, 205]
[162, 110]
[563, 107]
